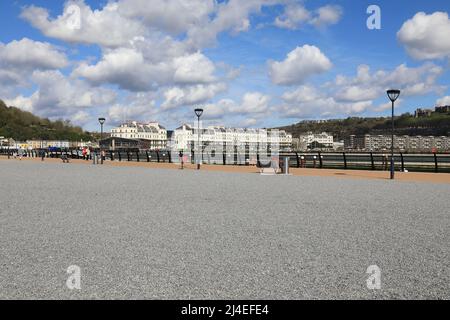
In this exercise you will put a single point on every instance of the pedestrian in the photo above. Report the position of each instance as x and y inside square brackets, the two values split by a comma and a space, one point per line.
[103, 155]
[42, 154]
[385, 162]
[88, 153]
[181, 159]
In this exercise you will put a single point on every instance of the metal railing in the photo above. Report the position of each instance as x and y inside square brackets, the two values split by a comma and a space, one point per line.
[433, 162]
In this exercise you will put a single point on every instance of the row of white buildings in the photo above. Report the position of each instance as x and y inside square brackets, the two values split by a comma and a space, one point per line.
[312, 140]
[402, 143]
[185, 137]
[153, 132]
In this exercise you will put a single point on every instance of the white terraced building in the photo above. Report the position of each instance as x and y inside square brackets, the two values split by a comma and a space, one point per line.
[185, 136]
[153, 131]
[324, 139]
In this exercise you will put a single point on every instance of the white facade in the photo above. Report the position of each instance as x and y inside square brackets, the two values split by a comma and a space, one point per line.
[185, 136]
[402, 143]
[152, 131]
[325, 139]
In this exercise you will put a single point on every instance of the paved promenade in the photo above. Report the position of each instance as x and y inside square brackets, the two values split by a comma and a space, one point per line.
[138, 231]
[336, 173]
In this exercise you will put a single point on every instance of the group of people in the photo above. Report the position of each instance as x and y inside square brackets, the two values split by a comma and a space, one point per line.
[86, 153]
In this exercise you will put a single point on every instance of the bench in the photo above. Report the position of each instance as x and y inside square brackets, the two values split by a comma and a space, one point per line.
[65, 158]
[267, 168]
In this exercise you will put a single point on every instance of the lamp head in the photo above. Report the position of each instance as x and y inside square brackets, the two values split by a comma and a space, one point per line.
[101, 120]
[393, 94]
[198, 112]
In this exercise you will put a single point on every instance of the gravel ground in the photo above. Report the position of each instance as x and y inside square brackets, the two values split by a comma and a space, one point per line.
[171, 234]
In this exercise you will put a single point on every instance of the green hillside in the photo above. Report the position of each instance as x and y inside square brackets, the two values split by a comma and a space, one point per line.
[21, 125]
[406, 124]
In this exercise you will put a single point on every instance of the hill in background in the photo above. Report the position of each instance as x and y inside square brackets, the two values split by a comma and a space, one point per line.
[435, 125]
[22, 125]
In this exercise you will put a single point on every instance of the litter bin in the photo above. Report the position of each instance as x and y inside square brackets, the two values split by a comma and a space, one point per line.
[284, 165]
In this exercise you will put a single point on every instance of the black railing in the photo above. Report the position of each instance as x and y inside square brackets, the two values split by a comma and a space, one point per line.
[434, 162]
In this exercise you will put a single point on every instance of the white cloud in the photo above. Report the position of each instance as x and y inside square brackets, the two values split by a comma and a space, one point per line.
[426, 36]
[300, 64]
[353, 95]
[193, 68]
[28, 54]
[58, 96]
[199, 20]
[106, 27]
[303, 93]
[444, 101]
[232, 15]
[253, 105]
[21, 102]
[126, 68]
[132, 69]
[253, 102]
[173, 16]
[295, 15]
[190, 95]
[327, 15]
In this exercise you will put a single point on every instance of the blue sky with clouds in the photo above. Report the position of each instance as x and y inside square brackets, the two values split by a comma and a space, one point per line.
[250, 63]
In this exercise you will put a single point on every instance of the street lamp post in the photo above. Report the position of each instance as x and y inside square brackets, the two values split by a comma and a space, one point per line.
[101, 121]
[198, 113]
[393, 95]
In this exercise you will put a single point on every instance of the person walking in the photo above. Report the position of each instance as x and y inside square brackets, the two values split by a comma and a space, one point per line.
[88, 154]
[181, 159]
[42, 151]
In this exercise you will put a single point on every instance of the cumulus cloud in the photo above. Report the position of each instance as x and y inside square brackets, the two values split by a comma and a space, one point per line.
[139, 106]
[354, 95]
[106, 27]
[190, 95]
[58, 96]
[295, 15]
[444, 101]
[200, 21]
[29, 54]
[253, 104]
[131, 69]
[300, 63]
[426, 36]
[21, 102]
[232, 15]
[173, 16]
[327, 15]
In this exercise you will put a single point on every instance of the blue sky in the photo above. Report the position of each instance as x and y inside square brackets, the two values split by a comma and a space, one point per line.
[255, 63]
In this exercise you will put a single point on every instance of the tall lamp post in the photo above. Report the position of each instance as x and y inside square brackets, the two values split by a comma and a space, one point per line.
[198, 113]
[101, 121]
[393, 95]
